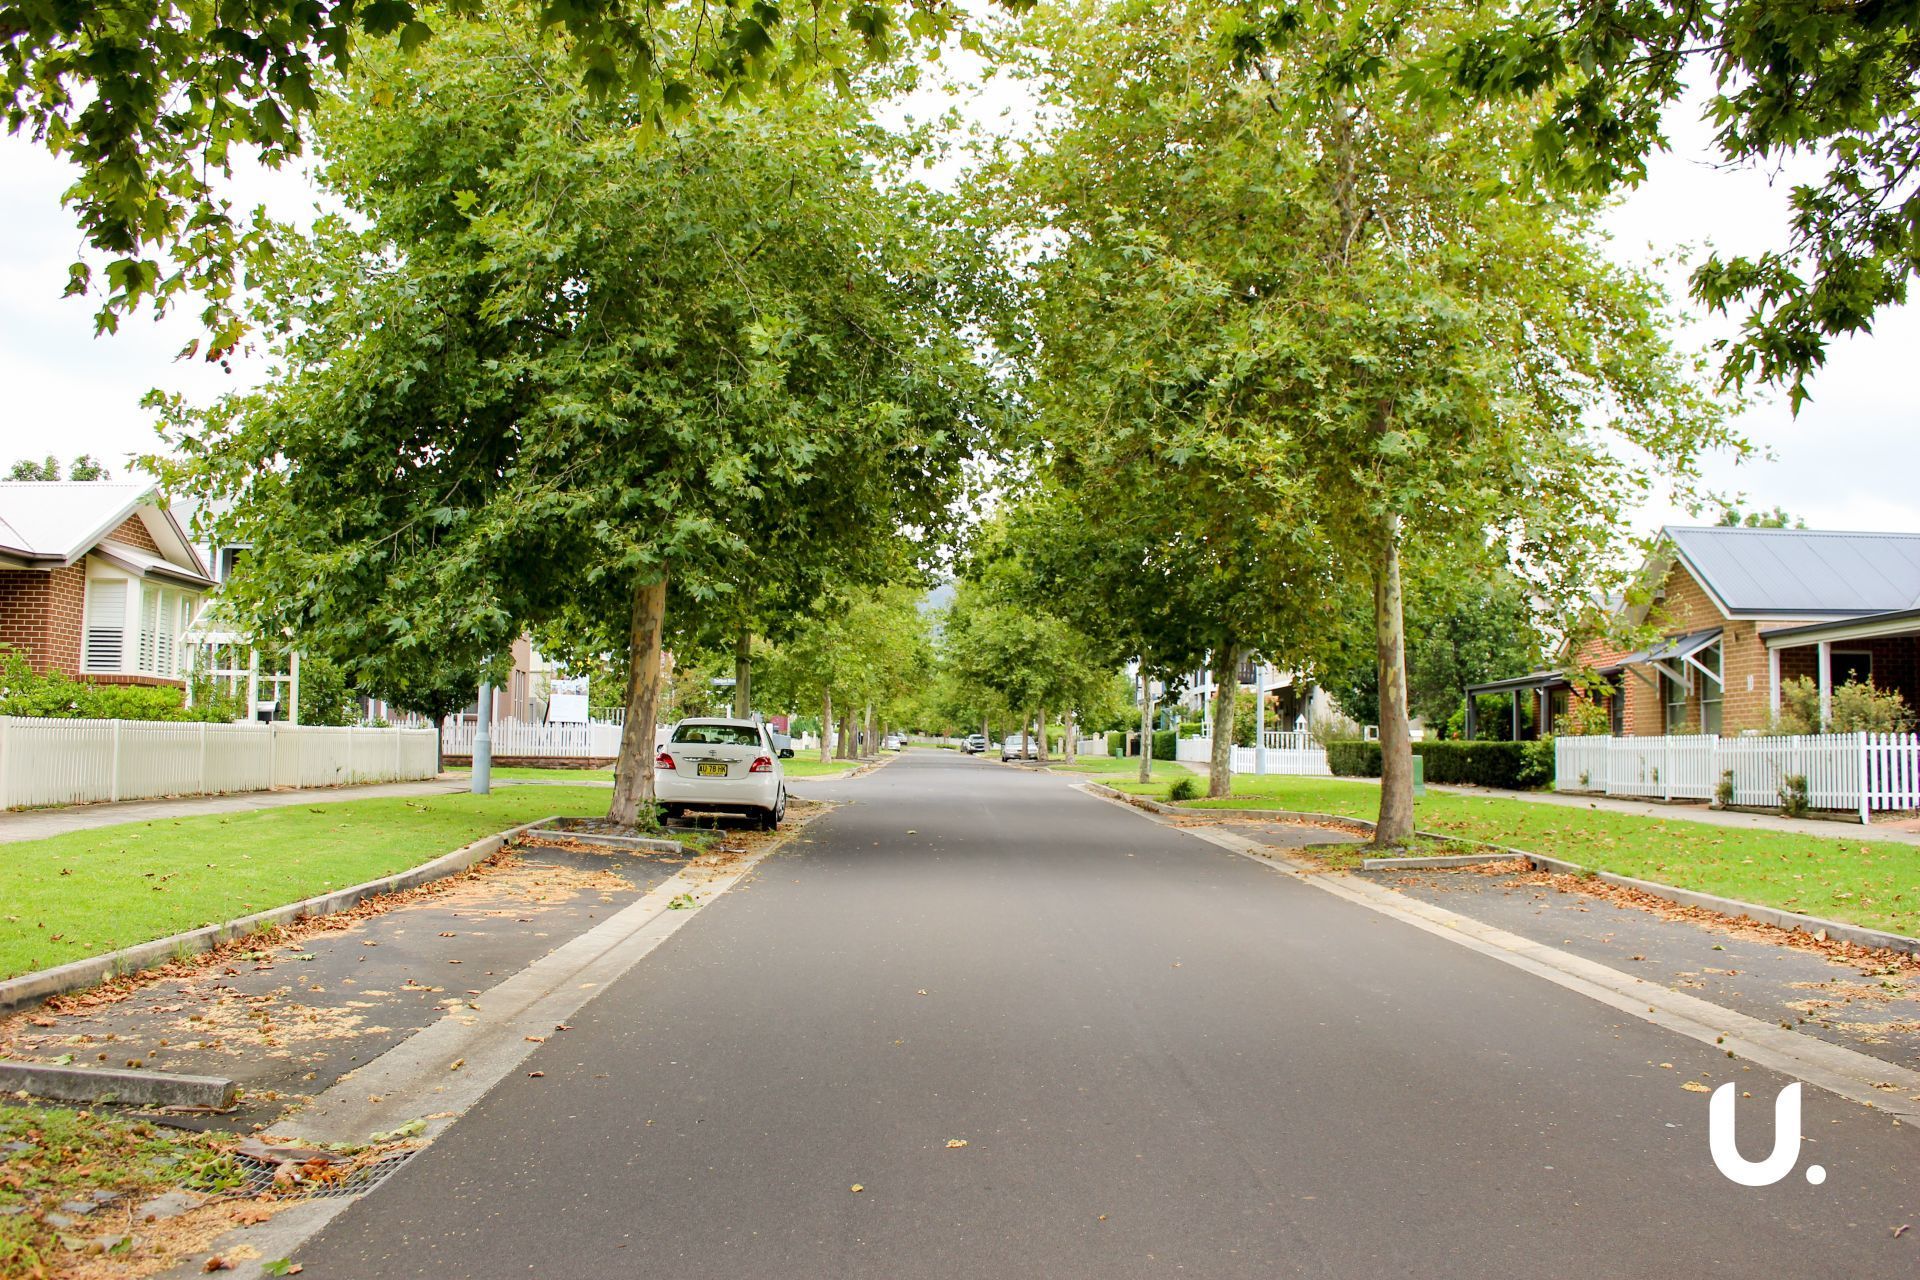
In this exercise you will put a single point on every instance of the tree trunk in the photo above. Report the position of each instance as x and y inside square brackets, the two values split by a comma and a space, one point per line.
[743, 673]
[843, 737]
[826, 726]
[1396, 735]
[871, 745]
[1146, 728]
[1067, 743]
[1043, 733]
[633, 774]
[1026, 734]
[1226, 696]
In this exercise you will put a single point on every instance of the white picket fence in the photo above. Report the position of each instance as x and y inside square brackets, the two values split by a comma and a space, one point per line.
[49, 762]
[597, 739]
[1287, 752]
[1863, 772]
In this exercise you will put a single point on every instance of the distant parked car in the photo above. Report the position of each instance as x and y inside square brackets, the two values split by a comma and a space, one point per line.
[975, 744]
[1014, 749]
[894, 742]
[722, 765]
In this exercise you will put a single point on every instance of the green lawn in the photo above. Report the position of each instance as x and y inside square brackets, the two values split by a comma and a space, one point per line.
[88, 892]
[1124, 766]
[1870, 882]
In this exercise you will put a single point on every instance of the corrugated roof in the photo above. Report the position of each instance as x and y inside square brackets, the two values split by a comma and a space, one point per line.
[63, 518]
[1779, 573]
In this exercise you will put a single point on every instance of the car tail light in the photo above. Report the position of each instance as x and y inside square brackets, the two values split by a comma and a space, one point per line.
[763, 764]
[663, 761]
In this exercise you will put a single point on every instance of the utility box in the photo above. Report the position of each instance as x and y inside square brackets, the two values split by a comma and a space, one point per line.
[1419, 774]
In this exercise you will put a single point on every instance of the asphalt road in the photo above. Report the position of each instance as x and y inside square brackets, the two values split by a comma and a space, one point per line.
[1163, 1059]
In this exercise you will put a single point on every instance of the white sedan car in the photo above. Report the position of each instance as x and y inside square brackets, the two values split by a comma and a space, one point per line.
[727, 766]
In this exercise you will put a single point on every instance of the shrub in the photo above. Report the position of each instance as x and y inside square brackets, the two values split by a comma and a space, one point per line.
[1793, 795]
[53, 695]
[1864, 708]
[1187, 788]
[1353, 759]
[1536, 765]
[1583, 719]
[1514, 766]
[1163, 744]
[1723, 789]
[1116, 743]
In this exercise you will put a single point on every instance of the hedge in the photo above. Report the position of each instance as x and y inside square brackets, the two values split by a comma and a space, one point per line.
[1163, 744]
[1513, 766]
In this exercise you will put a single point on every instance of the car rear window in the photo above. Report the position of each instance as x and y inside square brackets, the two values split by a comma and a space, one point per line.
[718, 735]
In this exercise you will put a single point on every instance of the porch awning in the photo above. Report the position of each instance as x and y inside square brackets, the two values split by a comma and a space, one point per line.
[1672, 649]
[1518, 684]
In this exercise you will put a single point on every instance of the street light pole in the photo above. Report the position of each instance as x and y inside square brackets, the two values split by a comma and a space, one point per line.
[483, 743]
[1260, 718]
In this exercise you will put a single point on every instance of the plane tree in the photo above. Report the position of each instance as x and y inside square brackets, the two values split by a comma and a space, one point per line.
[1360, 293]
[555, 374]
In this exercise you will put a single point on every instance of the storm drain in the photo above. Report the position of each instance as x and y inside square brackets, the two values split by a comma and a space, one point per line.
[257, 1179]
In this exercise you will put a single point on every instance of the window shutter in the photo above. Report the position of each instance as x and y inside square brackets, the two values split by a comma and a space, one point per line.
[149, 631]
[106, 624]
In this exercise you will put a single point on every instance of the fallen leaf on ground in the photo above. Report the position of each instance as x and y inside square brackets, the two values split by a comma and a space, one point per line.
[955, 1142]
[1902, 1229]
[856, 1187]
[535, 1075]
[1694, 1086]
[216, 1263]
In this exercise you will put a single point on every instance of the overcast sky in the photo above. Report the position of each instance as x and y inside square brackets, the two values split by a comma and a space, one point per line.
[1850, 461]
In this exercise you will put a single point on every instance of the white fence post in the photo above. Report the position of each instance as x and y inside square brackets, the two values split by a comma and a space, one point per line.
[1866, 799]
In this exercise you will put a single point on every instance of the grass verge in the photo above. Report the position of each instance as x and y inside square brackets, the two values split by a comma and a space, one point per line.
[56, 1155]
[85, 893]
[1874, 883]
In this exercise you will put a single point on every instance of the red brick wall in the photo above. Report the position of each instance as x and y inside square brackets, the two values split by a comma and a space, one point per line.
[1896, 664]
[42, 613]
[133, 532]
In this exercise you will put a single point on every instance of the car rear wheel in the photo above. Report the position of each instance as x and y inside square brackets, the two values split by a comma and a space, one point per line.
[770, 818]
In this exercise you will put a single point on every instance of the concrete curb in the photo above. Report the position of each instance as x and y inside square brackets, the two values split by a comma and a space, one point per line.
[546, 827]
[31, 988]
[1836, 930]
[109, 1084]
[1437, 864]
[1844, 1072]
[1858, 935]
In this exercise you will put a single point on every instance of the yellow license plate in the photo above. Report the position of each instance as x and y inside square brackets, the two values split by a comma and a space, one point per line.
[713, 769]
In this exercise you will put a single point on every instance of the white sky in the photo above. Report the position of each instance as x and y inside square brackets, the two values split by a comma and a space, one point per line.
[1850, 461]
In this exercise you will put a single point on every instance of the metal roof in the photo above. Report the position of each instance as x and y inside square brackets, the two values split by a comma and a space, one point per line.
[1783, 573]
[54, 522]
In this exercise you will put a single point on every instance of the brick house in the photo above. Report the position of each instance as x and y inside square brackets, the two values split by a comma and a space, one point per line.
[97, 580]
[1741, 611]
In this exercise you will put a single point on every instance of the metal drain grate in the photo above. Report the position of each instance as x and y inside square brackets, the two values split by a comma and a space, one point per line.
[257, 1180]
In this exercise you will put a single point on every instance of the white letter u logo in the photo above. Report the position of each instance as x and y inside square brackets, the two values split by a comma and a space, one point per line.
[1786, 1139]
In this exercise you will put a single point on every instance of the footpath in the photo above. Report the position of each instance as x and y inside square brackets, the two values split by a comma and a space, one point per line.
[36, 824]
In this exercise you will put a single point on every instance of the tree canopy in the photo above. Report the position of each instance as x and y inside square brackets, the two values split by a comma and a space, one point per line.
[555, 371]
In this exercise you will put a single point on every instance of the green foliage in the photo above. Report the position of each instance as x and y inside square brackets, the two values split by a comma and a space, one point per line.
[25, 692]
[85, 467]
[1834, 80]
[1583, 719]
[1183, 789]
[1793, 795]
[150, 99]
[601, 364]
[1858, 706]
[1778, 518]
[1862, 707]
[1465, 623]
[1165, 744]
[1514, 766]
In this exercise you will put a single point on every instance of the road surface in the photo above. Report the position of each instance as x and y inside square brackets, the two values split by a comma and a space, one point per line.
[1163, 1059]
